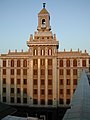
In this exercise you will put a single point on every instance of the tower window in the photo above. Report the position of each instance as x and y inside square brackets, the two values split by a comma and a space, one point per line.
[43, 23]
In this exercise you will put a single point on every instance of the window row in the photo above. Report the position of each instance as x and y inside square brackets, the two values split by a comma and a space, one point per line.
[42, 52]
[35, 92]
[12, 63]
[68, 91]
[18, 72]
[68, 72]
[35, 72]
[61, 63]
[42, 102]
[18, 81]
[68, 81]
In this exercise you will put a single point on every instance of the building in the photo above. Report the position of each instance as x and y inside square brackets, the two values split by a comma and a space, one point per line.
[43, 75]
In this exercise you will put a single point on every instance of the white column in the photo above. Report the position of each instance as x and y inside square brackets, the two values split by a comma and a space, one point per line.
[21, 82]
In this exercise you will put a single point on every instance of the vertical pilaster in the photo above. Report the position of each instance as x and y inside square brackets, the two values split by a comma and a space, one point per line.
[38, 81]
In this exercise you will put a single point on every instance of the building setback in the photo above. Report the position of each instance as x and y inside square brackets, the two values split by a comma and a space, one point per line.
[43, 75]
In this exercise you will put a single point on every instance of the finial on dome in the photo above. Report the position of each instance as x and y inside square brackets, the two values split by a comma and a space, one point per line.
[44, 5]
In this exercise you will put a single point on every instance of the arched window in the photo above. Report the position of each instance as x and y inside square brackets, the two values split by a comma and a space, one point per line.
[68, 63]
[74, 63]
[12, 63]
[50, 52]
[43, 23]
[24, 63]
[61, 63]
[42, 52]
[18, 63]
[35, 52]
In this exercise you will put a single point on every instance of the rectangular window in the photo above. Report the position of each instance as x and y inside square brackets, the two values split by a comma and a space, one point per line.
[42, 92]
[12, 71]
[35, 72]
[42, 62]
[42, 102]
[24, 71]
[61, 72]
[42, 82]
[42, 71]
[49, 81]
[24, 90]
[18, 100]
[4, 90]
[35, 91]
[18, 90]
[68, 72]
[50, 72]
[18, 71]
[68, 91]
[4, 99]
[35, 101]
[4, 80]
[35, 62]
[50, 62]
[4, 63]
[49, 92]
[12, 90]
[24, 100]
[74, 71]
[35, 81]
[50, 102]
[12, 81]
[61, 91]
[61, 101]
[74, 81]
[68, 81]
[61, 81]
[4, 71]
[24, 81]
[12, 99]
[18, 81]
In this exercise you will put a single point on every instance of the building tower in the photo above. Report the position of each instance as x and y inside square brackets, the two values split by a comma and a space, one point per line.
[43, 50]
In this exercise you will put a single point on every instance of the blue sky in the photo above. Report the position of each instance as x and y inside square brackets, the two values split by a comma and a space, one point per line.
[70, 20]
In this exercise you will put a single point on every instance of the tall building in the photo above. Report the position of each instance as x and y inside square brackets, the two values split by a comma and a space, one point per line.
[43, 75]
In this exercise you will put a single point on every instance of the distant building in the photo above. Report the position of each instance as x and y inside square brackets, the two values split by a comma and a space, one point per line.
[43, 75]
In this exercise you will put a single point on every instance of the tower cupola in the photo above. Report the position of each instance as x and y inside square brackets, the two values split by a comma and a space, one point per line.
[43, 20]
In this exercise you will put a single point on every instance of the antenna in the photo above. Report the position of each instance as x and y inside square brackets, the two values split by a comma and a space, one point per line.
[44, 5]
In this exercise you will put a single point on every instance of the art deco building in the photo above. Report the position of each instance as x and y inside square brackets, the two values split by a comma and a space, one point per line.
[43, 75]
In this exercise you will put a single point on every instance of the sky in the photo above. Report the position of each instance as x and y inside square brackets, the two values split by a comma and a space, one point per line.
[70, 21]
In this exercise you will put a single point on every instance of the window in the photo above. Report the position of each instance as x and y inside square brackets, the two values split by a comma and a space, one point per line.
[18, 90]
[43, 23]
[18, 81]
[35, 62]
[42, 82]
[42, 62]
[68, 81]
[74, 71]
[50, 52]
[84, 63]
[42, 102]
[61, 63]
[24, 90]
[4, 63]
[4, 99]
[50, 72]
[68, 63]
[61, 101]
[49, 92]
[42, 52]
[67, 101]
[42, 92]
[50, 102]
[4, 80]
[24, 81]
[50, 82]
[74, 81]
[35, 82]
[12, 71]
[35, 91]
[61, 91]
[61, 72]
[12, 81]
[68, 91]
[4, 90]
[12, 63]
[24, 71]
[35, 101]
[61, 81]
[74, 63]
[4, 71]
[12, 99]
[50, 62]
[68, 71]
[35, 72]
[18, 100]
[18, 71]
[18, 63]
[42, 71]
[35, 52]
[24, 100]
[12, 90]
[24, 63]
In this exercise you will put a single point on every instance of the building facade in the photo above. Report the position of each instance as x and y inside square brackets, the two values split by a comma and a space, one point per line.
[43, 75]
